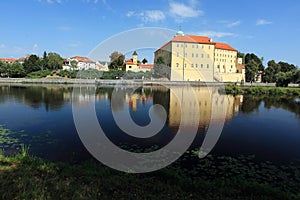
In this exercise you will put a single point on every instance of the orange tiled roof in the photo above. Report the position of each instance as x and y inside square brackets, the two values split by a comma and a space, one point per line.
[192, 39]
[129, 62]
[224, 46]
[199, 40]
[147, 66]
[9, 60]
[82, 59]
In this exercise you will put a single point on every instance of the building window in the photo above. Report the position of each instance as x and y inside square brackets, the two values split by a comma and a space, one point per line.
[177, 64]
[186, 46]
[197, 46]
[192, 46]
[208, 47]
[177, 45]
[202, 46]
[201, 65]
[202, 55]
[207, 66]
[196, 55]
[184, 65]
[192, 55]
[130, 66]
[192, 65]
[177, 54]
[207, 55]
[196, 65]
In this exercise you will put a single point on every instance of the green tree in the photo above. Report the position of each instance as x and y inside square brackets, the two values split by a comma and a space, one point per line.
[296, 76]
[144, 61]
[286, 67]
[283, 79]
[55, 61]
[116, 60]
[251, 70]
[16, 70]
[161, 70]
[241, 55]
[74, 64]
[31, 64]
[254, 63]
[3, 68]
[271, 71]
[44, 61]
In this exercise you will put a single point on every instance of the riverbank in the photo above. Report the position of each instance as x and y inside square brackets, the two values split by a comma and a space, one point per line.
[25, 177]
[259, 90]
[122, 82]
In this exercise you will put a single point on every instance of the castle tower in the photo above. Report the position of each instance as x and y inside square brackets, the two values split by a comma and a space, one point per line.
[135, 58]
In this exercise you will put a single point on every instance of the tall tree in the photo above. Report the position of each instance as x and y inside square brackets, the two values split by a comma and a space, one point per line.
[161, 70]
[144, 61]
[16, 70]
[286, 67]
[74, 64]
[55, 61]
[3, 68]
[116, 60]
[31, 64]
[251, 70]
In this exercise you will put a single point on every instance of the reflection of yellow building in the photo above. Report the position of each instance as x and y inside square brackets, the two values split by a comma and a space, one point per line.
[197, 58]
[134, 98]
[206, 98]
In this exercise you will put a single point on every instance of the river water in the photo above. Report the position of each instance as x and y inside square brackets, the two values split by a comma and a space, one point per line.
[41, 117]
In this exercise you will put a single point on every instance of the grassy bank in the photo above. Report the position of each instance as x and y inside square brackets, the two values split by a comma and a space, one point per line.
[27, 177]
[260, 90]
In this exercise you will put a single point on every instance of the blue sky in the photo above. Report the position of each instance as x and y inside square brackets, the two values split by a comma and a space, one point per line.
[267, 28]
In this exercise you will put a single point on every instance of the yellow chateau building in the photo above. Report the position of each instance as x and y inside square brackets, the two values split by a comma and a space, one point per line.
[135, 65]
[198, 58]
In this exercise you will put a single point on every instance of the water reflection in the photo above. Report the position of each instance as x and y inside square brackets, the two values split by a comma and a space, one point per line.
[52, 98]
[252, 121]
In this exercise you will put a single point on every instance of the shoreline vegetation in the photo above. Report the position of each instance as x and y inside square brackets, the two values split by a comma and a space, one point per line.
[261, 90]
[215, 177]
[231, 88]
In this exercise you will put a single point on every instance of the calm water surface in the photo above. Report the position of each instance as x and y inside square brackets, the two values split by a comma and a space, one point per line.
[41, 117]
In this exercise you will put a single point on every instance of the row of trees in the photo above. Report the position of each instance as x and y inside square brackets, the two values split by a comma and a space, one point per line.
[33, 63]
[281, 73]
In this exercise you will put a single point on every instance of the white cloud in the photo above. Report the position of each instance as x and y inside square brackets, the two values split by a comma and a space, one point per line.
[263, 22]
[216, 34]
[184, 11]
[2, 46]
[130, 14]
[148, 16]
[154, 16]
[232, 24]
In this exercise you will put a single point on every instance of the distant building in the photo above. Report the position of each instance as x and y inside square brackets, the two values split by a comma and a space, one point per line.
[198, 58]
[102, 67]
[84, 63]
[8, 60]
[136, 66]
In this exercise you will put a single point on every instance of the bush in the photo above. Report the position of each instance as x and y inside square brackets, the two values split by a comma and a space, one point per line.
[39, 74]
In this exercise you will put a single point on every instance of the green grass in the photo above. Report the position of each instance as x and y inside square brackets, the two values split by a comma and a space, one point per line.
[39, 74]
[261, 90]
[28, 177]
